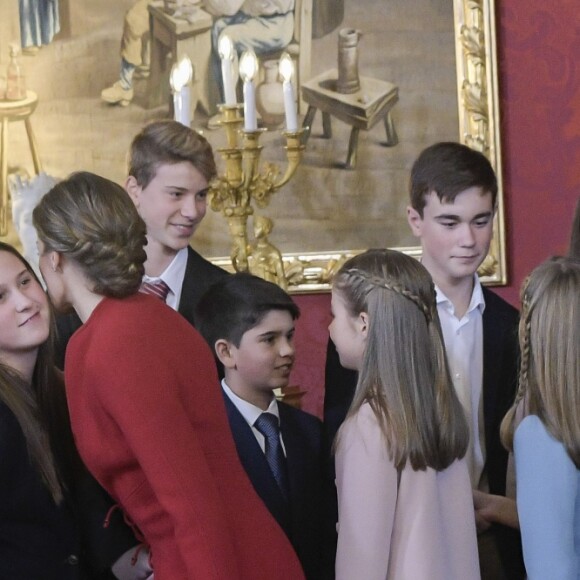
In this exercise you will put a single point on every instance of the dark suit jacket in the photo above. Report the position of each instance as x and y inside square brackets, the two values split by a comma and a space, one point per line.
[200, 274]
[500, 370]
[304, 517]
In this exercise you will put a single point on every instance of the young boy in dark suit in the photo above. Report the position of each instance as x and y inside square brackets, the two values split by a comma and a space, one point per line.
[250, 324]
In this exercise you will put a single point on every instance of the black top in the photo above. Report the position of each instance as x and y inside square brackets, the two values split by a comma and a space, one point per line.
[38, 539]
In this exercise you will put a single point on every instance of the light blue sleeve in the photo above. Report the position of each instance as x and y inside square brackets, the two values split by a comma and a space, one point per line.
[547, 490]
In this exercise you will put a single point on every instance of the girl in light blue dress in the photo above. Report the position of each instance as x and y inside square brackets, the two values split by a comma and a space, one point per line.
[543, 426]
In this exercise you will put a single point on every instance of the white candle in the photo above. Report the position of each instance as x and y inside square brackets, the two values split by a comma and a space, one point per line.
[248, 70]
[226, 52]
[286, 72]
[180, 81]
[182, 106]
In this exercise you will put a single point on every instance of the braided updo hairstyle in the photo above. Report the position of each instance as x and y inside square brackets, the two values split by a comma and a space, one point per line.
[92, 221]
[404, 374]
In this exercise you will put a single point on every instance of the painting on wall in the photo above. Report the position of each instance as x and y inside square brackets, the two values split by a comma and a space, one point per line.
[433, 59]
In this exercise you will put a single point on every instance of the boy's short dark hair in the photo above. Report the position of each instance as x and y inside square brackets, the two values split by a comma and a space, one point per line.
[238, 303]
[170, 142]
[448, 169]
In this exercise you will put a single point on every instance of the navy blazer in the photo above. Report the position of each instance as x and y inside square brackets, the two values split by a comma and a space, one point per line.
[303, 517]
[500, 371]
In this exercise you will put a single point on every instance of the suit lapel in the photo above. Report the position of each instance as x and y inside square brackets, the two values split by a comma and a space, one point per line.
[254, 462]
[492, 343]
[190, 293]
[199, 276]
[295, 456]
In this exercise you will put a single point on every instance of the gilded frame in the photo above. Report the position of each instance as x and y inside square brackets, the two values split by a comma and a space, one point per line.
[479, 127]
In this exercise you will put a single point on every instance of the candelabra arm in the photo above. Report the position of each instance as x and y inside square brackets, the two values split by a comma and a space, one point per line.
[250, 157]
[294, 148]
[231, 121]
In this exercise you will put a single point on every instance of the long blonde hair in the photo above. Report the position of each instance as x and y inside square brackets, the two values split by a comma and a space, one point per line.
[549, 332]
[404, 374]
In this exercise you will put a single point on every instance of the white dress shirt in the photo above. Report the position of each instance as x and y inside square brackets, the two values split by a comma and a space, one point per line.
[173, 276]
[251, 413]
[464, 346]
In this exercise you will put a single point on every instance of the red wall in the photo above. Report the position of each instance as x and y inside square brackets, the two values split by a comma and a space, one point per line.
[539, 75]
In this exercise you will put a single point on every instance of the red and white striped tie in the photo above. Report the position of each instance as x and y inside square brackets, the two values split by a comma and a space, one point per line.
[159, 289]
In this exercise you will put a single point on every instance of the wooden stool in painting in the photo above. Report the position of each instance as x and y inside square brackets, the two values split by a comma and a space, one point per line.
[361, 110]
[15, 111]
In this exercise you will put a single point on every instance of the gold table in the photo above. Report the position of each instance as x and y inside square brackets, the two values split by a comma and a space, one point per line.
[361, 110]
[11, 111]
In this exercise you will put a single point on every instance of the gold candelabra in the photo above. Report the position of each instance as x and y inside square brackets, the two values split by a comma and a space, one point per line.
[245, 182]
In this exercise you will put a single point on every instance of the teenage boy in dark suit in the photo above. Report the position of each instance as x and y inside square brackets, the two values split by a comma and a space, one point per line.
[250, 324]
[169, 170]
[453, 198]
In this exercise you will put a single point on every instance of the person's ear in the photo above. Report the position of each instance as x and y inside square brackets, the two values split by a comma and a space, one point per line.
[55, 259]
[133, 189]
[363, 324]
[415, 221]
[225, 351]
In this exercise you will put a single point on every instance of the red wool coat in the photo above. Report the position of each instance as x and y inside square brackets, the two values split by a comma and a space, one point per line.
[150, 424]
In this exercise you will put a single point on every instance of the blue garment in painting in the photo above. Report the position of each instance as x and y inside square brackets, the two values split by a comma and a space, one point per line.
[39, 21]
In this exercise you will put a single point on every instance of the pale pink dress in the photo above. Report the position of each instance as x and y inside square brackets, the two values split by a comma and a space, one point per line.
[425, 529]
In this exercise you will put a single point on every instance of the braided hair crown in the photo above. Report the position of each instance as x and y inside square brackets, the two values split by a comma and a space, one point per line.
[393, 286]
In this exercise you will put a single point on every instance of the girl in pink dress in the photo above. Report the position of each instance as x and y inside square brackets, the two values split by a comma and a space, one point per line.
[404, 495]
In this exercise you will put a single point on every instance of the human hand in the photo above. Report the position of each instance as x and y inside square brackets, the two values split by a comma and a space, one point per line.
[490, 508]
[125, 569]
[482, 515]
[481, 523]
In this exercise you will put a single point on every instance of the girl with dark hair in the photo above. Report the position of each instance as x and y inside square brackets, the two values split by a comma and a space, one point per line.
[41, 476]
[38, 535]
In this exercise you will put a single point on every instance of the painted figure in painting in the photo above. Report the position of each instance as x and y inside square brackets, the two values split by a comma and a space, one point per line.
[134, 54]
[39, 22]
[259, 25]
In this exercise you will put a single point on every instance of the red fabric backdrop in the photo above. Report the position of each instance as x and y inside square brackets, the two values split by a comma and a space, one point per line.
[539, 70]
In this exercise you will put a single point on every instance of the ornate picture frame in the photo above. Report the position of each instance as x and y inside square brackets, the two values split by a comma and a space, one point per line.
[478, 127]
[328, 211]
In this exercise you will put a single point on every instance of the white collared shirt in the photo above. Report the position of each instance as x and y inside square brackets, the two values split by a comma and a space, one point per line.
[464, 347]
[251, 413]
[173, 276]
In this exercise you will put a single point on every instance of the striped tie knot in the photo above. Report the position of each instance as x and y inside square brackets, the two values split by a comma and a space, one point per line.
[159, 289]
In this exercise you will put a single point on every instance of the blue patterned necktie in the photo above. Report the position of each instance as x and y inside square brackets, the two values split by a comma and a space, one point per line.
[268, 425]
[159, 289]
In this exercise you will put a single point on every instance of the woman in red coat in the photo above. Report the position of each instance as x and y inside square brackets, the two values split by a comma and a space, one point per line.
[147, 416]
